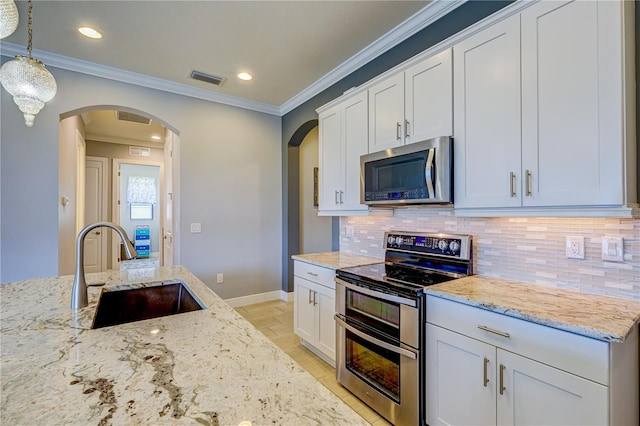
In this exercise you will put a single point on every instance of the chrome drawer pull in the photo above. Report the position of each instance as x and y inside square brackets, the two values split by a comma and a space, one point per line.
[313, 274]
[491, 330]
[513, 184]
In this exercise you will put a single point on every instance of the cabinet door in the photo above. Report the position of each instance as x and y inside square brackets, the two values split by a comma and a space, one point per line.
[330, 159]
[461, 385]
[537, 394]
[304, 323]
[429, 99]
[355, 144]
[572, 94]
[487, 143]
[386, 113]
[326, 327]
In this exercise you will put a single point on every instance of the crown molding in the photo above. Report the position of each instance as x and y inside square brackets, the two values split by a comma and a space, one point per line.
[430, 13]
[97, 70]
[421, 19]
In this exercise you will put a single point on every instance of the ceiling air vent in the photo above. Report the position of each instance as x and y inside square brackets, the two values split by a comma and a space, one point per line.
[131, 117]
[207, 78]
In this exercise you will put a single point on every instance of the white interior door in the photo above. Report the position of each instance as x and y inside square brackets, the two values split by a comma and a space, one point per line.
[167, 220]
[81, 149]
[95, 243]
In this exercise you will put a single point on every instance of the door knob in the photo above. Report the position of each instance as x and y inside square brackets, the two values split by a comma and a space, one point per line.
[97, 232]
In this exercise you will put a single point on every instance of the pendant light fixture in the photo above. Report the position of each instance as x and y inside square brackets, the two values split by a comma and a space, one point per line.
[8, 18]
[28, 81]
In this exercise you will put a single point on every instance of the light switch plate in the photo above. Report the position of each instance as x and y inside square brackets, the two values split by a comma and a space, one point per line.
[613, 249]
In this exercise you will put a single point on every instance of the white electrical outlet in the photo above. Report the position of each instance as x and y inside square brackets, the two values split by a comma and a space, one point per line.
[575, 247]
[196, 228]
[612, 249]
[349, 231]
[220, 278]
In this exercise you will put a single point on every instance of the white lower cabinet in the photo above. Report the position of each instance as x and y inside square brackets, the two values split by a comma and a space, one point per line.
[489, 369]
[314, 308]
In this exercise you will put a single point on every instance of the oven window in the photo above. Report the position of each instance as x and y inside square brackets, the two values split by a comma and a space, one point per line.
[376, 313]
[375, 365]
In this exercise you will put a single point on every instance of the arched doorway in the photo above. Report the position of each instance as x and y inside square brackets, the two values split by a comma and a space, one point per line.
[299, 173]
[109, 136]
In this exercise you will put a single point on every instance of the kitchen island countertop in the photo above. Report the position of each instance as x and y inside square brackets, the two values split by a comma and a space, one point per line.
[337, 259]
[209, 367]
[600, 317]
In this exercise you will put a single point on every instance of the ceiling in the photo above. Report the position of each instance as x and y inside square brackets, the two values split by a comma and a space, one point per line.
[286, 45]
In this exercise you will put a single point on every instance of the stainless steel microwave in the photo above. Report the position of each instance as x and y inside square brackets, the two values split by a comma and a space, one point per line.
[418, 173]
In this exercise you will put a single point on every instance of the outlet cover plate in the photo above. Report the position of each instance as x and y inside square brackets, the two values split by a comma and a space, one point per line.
[575, 247]
[196, 228]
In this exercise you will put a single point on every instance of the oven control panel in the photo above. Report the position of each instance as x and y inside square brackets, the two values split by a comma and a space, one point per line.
[455, 246]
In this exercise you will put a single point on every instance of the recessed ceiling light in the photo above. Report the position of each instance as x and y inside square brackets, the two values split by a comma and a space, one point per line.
[155, 137]
[90, 32]
[245, 76]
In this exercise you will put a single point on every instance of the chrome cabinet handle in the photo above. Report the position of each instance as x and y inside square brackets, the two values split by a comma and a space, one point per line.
[336, 197]
[502, 388]
[315, 302]
[529, 190]
[368, 338]
[309, 298]
[486, 373]
[398, 125]
[341, 194]
[313, 274]
[513, 184]
[428, 172]
[494, 331]
[406, 128]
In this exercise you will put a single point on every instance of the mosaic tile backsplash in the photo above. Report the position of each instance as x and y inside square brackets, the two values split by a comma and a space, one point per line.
[525, 249]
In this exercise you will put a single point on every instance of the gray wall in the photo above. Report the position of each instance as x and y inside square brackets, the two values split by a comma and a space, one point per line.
[230, 182]
[459, 19]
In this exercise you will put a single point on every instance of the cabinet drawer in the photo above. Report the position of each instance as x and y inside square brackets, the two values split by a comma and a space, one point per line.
[579, 355]
[315, 273]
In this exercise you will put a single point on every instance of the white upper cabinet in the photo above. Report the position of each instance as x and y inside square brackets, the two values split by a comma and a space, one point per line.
[572, 103]
[386, 114]
[413, 105]
[428, 101]
[539, 110]
[342, 140]
[487, 144]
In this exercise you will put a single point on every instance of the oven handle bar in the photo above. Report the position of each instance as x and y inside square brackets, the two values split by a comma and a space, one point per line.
[377, 294]
[375, 341]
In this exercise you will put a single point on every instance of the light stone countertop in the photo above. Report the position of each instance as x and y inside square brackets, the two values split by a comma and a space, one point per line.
[209, 367]
[337, 259]
[601, 317]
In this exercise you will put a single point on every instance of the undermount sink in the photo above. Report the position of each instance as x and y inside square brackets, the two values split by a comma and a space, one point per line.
[152, 300]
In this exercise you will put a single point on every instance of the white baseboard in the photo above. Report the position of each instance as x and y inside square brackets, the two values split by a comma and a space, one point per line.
[252, 299]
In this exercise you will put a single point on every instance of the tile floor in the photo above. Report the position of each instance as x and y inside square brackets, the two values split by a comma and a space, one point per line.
[275, 320]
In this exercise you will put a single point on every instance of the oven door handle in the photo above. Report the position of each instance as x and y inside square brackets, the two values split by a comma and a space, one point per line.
[377, 294]
[365, 336]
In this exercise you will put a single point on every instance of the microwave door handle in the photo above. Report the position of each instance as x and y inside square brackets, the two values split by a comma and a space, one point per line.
[428, 172]
[368, 338]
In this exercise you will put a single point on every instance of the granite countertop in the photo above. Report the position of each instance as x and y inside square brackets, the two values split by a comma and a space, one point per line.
[337, 259]
[209, 367]
[601, 317]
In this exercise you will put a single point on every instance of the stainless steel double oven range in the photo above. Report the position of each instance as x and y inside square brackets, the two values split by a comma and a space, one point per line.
[381, 315]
